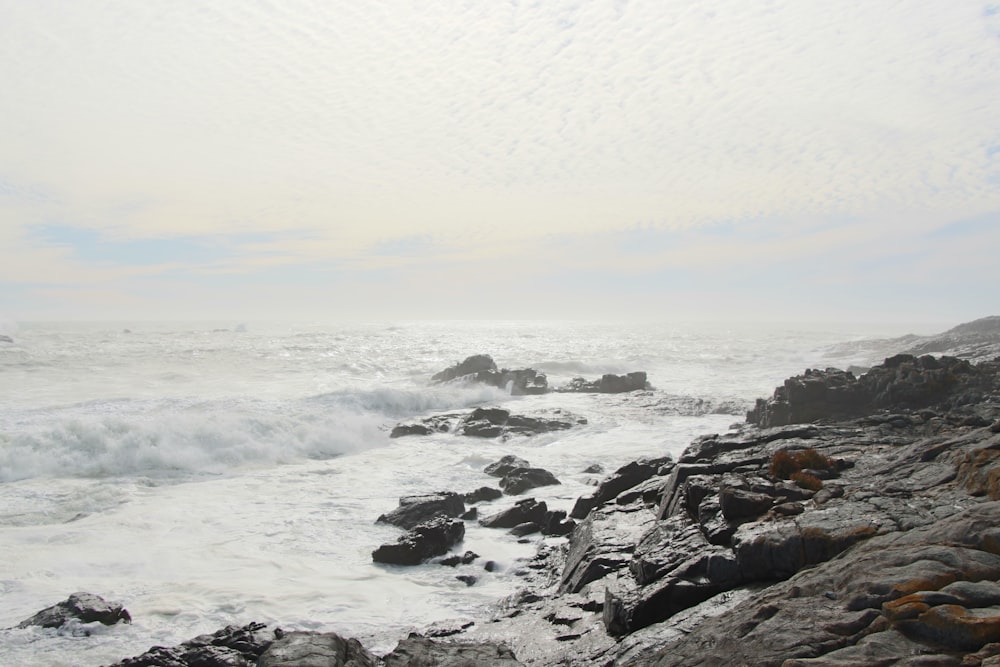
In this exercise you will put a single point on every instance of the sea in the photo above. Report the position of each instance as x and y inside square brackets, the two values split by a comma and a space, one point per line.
[214, 473]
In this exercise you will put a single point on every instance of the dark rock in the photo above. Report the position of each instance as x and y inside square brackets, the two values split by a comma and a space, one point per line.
[626, 477]
[424, 541]
[481, 368]
[484, 494]
[232, 646]
[608, 384]
[82, 608]
[477, 363]
[740, 504]
[467, 579]
[315, 649]
[470, 514]
[594, 469]
[505, 465]
[519, 480]
[402, 430]
[414, 510]
[420, 651]
[528, 510]
[6, 339]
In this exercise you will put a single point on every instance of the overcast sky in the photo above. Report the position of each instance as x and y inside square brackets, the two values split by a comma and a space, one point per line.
[676, 159]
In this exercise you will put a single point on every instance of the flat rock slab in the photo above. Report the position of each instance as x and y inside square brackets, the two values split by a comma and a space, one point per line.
[420, 652]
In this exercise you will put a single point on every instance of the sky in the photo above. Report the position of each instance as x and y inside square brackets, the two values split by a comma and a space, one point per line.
[619, 159]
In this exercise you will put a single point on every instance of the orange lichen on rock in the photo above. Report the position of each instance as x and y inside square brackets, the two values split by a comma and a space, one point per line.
[957, 626]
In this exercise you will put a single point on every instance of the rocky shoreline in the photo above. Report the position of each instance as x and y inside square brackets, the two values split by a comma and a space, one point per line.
[852, 520]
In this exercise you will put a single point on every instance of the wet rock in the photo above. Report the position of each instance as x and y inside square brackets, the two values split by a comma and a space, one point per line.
[519, 480]
[465, 559]
[528, 510]
[483, 494]
[477, 363]
[414, 510]
[416, 651]
[82, 608]
[424, 541]
[316, 649]
[505, 465]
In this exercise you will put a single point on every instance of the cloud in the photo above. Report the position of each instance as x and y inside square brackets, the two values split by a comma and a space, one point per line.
[244, 136]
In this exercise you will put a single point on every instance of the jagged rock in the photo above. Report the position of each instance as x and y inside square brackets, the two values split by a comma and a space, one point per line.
[603, 543]
[519, 480]
[82, 608]
[232, 646]
[901, 382]
[628, 476]
[420, 651]
[477, 363]
[414, 510]
[482, 368]
[424, 541]
[401, 430]
[316, 649]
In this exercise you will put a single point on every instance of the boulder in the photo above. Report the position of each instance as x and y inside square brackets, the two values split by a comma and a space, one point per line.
[477, 363]
[414, 510]
[422, 542]
[519, 480]
[482, 494]
[316, 649]
[628, 476]
[81, 608]
[505, 465]
[528, 510]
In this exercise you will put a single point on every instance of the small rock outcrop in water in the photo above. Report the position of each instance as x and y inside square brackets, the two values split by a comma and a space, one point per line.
[517, 476]
[414, 510]
[4, 338]
[82, 608]
[608, 384]
[482, 368]
[491, 423]
[422, 542]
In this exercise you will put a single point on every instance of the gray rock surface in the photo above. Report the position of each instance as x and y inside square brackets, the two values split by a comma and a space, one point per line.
[422, 542]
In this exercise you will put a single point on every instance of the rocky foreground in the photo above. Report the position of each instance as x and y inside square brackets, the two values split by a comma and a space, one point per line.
[853, 520]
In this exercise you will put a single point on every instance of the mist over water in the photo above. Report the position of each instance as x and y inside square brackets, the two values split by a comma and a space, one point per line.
[203, 475]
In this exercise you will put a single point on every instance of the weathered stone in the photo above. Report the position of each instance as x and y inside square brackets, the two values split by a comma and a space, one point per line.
[483, 494]
[626, 477]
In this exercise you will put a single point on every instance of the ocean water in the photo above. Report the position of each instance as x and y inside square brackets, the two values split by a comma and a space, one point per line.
[205, 474]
